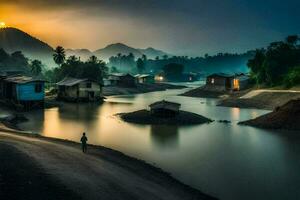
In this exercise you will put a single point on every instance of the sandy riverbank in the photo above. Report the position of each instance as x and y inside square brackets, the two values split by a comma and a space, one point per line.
[286, 117]
[261, 99]
[140, 88]
[57, 169]
[267, 99]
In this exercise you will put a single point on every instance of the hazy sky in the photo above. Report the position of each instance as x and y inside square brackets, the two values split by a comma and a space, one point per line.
[186, 27]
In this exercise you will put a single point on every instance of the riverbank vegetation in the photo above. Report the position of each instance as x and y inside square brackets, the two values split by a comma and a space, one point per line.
[278, 64]
[72, 66]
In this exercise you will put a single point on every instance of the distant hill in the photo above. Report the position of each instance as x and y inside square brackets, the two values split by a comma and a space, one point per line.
[153, 53]
[12, 39]
[114, 49]
[84, 54]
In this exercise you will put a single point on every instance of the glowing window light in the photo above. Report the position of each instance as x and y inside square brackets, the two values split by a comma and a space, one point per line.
[212, 80]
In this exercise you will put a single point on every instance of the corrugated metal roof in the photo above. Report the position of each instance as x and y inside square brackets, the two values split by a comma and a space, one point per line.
[68, 81]
[165, 105]
[22, 79]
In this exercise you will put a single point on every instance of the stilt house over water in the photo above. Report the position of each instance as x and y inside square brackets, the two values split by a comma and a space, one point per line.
[75, 89]
[25, 91]
[164, 108]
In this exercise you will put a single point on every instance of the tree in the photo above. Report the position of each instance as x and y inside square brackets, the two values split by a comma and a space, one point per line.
[36, 67]
[93, 59]
[3, 55]
[140, 65]
[19, 59]
[165, 57]
[59, 55]
[114, 69]
[144, 57]
[275, 65]
[292, 39]
[173, 71]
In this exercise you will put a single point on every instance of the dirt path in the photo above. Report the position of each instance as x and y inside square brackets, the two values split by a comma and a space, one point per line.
[99, 174]
[254, 93]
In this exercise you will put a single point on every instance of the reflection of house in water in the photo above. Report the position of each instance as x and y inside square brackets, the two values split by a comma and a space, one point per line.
[165, 136]
[224, 82]
[74, 89]
[164, 109]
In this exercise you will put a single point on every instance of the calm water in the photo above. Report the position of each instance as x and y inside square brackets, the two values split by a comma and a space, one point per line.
[225, 160]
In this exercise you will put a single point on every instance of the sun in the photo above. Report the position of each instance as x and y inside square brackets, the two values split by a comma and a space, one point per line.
[2, 24]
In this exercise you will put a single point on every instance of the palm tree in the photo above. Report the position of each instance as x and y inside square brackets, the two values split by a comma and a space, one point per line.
[144, 57]
[93, 59]
[59, 55]
[36, 67]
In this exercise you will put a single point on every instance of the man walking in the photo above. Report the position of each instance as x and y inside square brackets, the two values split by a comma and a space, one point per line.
[83, 142]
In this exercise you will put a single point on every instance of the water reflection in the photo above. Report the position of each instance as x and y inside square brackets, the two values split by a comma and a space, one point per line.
[225, 160]
[165, 136]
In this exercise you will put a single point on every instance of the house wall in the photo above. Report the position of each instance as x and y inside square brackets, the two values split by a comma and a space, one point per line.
[126, 81]
[84, 90]
[70, 92]
[219, 81]
[26, 92]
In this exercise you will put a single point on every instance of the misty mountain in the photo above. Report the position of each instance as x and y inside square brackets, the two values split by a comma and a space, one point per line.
[114, 49]
[84, 54]
[12, 40]
[153, 53]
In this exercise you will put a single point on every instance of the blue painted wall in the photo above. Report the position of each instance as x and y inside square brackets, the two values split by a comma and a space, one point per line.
[26, 92]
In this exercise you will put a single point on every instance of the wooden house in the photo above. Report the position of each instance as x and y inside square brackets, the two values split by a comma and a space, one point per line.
[164, 108]
[227, 82]
[25, 91]
[74, 89]
[121, 80]
[144, 78]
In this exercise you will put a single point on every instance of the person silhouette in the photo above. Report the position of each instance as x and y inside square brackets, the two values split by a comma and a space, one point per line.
[83, 142]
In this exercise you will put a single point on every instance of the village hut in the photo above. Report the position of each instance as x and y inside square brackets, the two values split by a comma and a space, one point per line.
[75, 89]
[227, 82]
[240, 81]
[121, 80]
[29, 92]
[144, 78]
[164, 108]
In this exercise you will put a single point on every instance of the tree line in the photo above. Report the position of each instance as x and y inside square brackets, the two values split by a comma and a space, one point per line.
[18, 62]
[72, 66]
[222, 62]
[278, 64]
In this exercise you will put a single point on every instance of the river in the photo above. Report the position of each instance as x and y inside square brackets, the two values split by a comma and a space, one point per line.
[228, 161]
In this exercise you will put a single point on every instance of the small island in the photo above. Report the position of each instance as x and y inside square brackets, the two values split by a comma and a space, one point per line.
[164, 113]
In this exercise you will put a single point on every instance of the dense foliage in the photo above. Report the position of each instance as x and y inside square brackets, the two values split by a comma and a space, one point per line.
[208, 64]
[73, 67]
[277, 64]
[18, 63]
[173, 71]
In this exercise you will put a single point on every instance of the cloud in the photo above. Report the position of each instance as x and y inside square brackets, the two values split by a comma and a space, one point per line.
[189, 26]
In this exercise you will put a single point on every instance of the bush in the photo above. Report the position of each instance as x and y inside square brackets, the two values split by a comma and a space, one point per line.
[293, 77]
